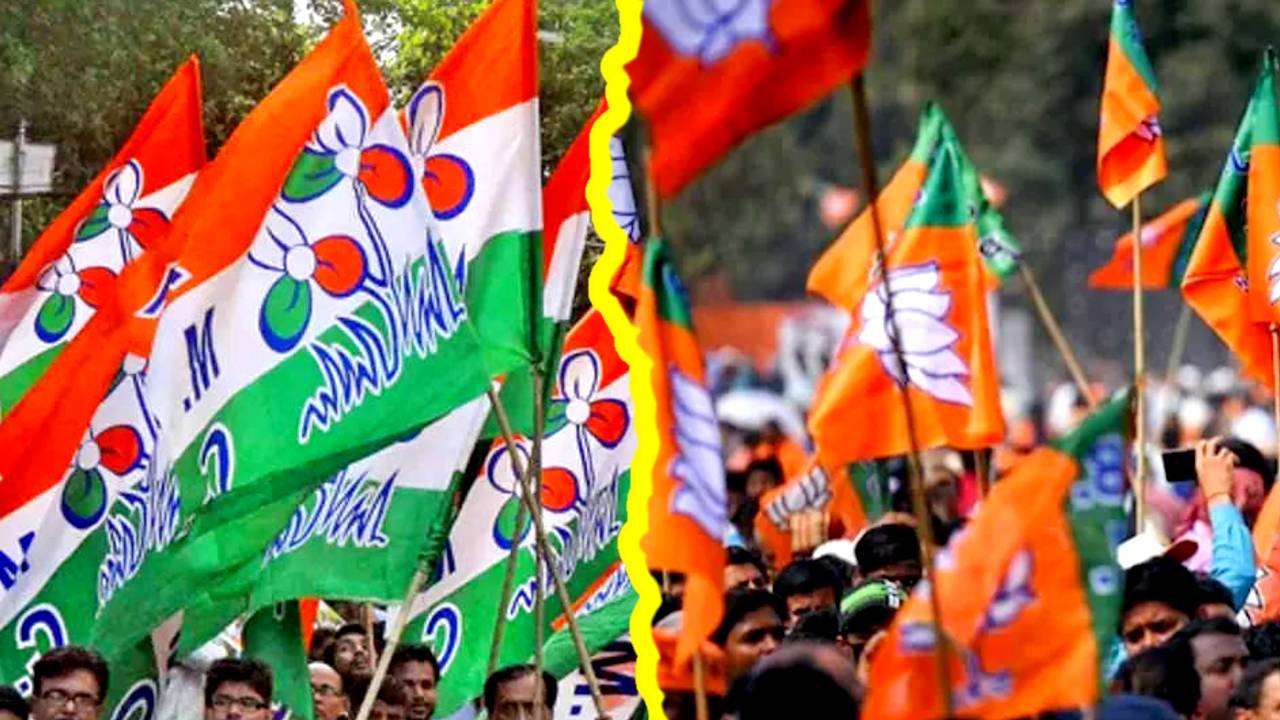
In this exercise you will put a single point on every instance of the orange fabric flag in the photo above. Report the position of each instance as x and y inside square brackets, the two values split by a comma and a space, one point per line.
[1166, 246]
[1130, 142]
[813, 490]
[939, 305]
[1263, 204]
[688, 508]
[706, 79]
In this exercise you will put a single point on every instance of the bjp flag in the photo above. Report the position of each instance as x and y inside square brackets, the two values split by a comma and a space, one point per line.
[1029, 592]
[1216, 285]
[706, 78]
[1130, 141]
[833, 494]
[1166, 247]
[688, 508]
[1263, 214]
[938, 313]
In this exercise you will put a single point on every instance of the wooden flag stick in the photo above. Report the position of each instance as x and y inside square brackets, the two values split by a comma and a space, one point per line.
[700, 687]
[1139, 373]
[871, 186]
[982, 469]
[1050, 323]
[393, 641]
[508, 578]
[533, 482]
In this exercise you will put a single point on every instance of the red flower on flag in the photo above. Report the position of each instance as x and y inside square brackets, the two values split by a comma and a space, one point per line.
[116, 449]
[64, 283]
[136, 227]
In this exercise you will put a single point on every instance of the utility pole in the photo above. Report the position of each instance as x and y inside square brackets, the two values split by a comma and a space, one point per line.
[25, 169]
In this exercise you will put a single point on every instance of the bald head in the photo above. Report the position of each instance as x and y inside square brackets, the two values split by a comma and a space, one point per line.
[327, 693]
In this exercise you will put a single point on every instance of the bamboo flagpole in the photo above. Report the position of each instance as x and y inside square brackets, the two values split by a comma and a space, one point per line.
[1051, 326]
[871, 185]
[393, 641]
[1139, 372]
[533, 483]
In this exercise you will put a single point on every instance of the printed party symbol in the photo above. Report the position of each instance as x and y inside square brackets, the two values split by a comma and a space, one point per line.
[117, 449]
[447, 179]
[700, 492]
[710, 30]
[136, 228]
[64, 283]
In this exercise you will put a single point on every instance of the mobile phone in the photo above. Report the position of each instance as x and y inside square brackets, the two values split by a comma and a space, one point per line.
[1179, 465]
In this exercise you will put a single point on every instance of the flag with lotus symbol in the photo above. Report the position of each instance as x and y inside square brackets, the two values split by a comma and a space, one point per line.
[586, 474]
[1217, 282]
[72, 267]
[1029, 591]
[1262, 201]
[1130, 140]
[834, 494]
[939, 315]
[687, 510]
[1166, 247]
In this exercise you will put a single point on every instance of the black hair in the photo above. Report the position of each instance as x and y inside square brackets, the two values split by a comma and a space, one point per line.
[349, 629]
[321, 638]
[331, 652]
[1249, 458]
[806, 576]
[66, 660]
[742, 556]
[1208, 626]
[1263, 640]
[251, 672]
[741, 603]
[817, 626]
[1213, 592]
[392, 692]
[513, 673]
[886, 545]
[12, 701]
[1165, 672]
[766, 464]
[414, 652]
[1248, 691]
[868, 621]
[1162, 580]
[772, 689]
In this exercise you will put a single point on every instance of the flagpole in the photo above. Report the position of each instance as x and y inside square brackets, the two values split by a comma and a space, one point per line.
[527, 498]
[1139, 372]
[982, 469]
[508, 578]
[699, 687]
[871, 185]
[1051, 326]
[393, 641]
[1179, 347]
[533, 481]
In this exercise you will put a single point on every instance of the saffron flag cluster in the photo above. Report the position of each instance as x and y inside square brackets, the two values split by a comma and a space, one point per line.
[1130, 140]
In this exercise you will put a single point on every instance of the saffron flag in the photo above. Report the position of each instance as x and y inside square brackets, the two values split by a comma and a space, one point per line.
[1263, 200]
[72, 267]
[586, 475]
[1167, 242]
[705, 78]
[835, 494]
[687, 510]
[1029, 591]
[939, 314]
[1130, 141]
[1215, 284]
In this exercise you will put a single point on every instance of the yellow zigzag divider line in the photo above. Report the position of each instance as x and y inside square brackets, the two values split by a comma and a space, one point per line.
[612, 66]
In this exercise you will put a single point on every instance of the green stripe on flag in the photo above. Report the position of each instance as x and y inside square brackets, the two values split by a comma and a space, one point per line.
[1124, 30]
[1188, 242]
[870, 483]
[16, 384]
[274, 636]
[661, 277]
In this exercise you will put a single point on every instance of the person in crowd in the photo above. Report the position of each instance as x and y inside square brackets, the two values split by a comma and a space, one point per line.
[807, 585]
[1215, 600]
[817, 626]
[838, 555]
[321, 640]
[351, 654]
[1165, 672]
[69, 683]
[417, 670]
[391, 702]
[1219, 654]
[745, 568]
[1160, 598]
[1257, 695]
[751, 628]
[866, 612]
[237, 689]
[328, 694]
[512, 694]
[942, 472]
[1263, 641]
[891, 552]
[12, 705]
[800, 679]
[763, 475]
[1133, 707]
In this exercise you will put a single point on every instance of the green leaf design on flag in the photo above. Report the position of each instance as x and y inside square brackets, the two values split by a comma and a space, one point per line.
[94, 224]
[85, 494]
[312, 175]
[55, 317]
[285, 312]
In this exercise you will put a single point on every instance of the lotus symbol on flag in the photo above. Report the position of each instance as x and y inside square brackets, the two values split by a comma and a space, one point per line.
[1273, 270]
[700, 494]
[928, 343]
[1014, 594]
[64, 283]
[1149, 130]
[710, 30]
[135, 227]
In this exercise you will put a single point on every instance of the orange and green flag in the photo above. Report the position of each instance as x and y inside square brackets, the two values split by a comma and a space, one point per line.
[687, 510]
[1263, 199]
[1216, 285]
[936, 307]
[1029, 591]
[1167, 242]
[1130, 140]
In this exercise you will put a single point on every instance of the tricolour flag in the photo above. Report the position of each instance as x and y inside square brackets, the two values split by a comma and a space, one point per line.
[586, 474]
[1215, 284]
[1130, 140]
[1029, 591]
[940, 315]
[72, 267]
[1167, 242]
[1263, 200]
[706, 78]
[687, 510]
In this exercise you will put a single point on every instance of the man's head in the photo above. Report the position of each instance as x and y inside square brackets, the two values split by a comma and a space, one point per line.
[1251, 478]
[418, 671]
[866, 610]
[69, 683]
[12, 704]
[752, 628]
[890, 552]
[328, 695]
[392, 702]
[1263, 640]
[1160, 597]
[237, 689]
[511, 694]
[1215, 600]
[1257, 696]
[744, 568]
[763, 474]
[801, 675]
[351, 655]
[1219, 654]
[805, 586]
[1165, 672]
